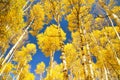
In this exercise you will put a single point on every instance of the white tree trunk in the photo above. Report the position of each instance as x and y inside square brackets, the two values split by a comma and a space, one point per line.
[106, 74]
[114, 28]
[41, 77]
[26, 4]
[28, 7]
[65, 70]
[21, 70]
[118, 60]
[90, 63]
[13, 48]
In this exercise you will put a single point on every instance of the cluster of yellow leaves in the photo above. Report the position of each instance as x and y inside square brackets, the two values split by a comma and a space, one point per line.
[15, 16]
[56, 73]
[9, 19]
[72, 24]
[107, 45]
[79, 17]
[70, 53]
[25, 53]
[40, 68]
[9, 67]
[37, 13]
[116, 9]
[77, 39]
[53, 9]
[26, 75]
[49, 41]
[77, 70]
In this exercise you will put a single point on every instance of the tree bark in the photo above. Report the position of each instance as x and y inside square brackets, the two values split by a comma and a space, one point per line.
[14, 47]
[106, 74]
[65, 70]
[41, 76]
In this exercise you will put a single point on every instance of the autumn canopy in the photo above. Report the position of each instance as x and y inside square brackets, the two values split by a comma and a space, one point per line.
[92, 53]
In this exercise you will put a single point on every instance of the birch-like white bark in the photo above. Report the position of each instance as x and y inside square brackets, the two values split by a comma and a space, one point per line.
[106, 74]
[13, 48]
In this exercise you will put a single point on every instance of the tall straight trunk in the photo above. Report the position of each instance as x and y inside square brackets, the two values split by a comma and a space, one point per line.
[25, 9]
[1, 56]
[41, 76]
[51, 59]
[51, 62]
[18, 42]
[1, 72]
[4, 66]
[89, 57]
[65, 70]
[90, 63]
[71, 75]
[116, 57]
[18, 76]
[85, 67]
[105, 71]
[82, 44]
[114, 27]
[26, 4]
[14, 78]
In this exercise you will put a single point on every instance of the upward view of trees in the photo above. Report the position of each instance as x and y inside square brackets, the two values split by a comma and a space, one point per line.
[93, 53]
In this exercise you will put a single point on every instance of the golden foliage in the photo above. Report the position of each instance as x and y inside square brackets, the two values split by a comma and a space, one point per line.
[49, 41]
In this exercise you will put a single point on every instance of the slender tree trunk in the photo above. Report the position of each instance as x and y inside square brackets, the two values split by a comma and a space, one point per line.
[114, 28]
[3, 69]
[90, 63]
[64, 63]
[17, 78]
[89, 56]
[25, 9]
[26, 4]
[65, 70]
[85, 66]
[118, 60]
[1, 56]
[14, 47]
[6, 64]
[14, 78]
[71, 75]
[41, 76]
[106, 74]
[51, 62]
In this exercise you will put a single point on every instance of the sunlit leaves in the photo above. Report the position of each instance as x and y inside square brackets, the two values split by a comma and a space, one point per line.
[116, 9]
[54, 9]
[9, 67]
[26, 75]
[40, 68]
[37, 13]
[56, 71]
[25, 53]
[50, 39]
[87, 29]
[70, 53]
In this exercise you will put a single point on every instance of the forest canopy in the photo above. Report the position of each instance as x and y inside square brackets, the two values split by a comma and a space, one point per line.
[85, 33]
